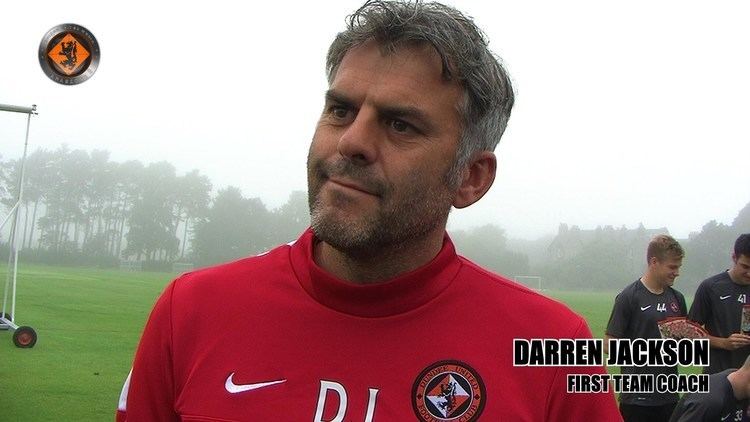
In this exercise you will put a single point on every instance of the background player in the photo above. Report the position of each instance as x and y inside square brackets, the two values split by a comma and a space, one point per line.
[726, 400]
[635, 314]
[718, 306]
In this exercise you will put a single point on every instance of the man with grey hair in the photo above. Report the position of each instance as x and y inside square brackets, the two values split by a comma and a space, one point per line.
[371, 314]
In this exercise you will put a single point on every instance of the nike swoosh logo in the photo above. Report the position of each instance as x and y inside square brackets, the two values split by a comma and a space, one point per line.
[725, 417]
[643, 308]
[239, 388]
[725, 297]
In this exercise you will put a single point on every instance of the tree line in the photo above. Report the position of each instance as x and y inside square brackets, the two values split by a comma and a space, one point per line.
[82, 208]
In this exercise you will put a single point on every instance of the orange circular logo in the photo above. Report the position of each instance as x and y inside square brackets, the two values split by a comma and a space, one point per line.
[448, 391]
[69, 54]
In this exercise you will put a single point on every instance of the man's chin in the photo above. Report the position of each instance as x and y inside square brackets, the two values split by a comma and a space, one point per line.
[342, 233]
[339, 218]
[345, 242]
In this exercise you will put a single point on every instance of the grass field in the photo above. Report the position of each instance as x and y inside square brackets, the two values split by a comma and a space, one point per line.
[89, 322]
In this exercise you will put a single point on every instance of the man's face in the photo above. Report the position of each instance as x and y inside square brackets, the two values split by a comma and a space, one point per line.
[741, 269]
[666, 269]
[382, 148]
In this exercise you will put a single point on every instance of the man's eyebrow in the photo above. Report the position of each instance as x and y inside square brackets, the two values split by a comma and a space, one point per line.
[333, 96]
[409, 112]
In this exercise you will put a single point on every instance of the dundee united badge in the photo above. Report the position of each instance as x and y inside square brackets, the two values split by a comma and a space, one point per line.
[69, 54]
[448, 391]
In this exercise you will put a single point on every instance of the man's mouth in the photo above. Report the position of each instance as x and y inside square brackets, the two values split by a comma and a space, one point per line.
[351, 185]
[351, 177]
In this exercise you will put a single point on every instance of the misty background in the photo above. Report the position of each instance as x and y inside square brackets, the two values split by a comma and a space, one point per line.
[82, 208]
[189, 143]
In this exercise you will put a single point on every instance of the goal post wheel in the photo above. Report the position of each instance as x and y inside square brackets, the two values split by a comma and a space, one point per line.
[24, 337]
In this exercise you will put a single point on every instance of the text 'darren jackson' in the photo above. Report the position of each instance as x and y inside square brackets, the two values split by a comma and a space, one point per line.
[622, 352]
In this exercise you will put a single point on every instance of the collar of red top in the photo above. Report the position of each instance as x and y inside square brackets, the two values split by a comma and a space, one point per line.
[390, 297]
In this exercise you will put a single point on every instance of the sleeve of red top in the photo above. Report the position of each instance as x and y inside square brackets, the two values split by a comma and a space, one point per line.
[564, 406]
[151, 391]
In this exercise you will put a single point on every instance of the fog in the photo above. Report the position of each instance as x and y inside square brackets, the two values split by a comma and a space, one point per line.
[626, 114]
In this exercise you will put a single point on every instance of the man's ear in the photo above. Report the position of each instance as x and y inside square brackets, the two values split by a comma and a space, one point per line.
[476, 179]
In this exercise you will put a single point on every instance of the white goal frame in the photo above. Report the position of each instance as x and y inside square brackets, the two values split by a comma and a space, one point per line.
[7, 319]
[530, 277]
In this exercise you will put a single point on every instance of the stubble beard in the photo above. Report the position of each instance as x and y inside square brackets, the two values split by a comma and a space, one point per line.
[399, 219]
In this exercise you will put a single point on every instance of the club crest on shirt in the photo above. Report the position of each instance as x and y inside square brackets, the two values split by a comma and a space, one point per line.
[447, 391]
[675, 307]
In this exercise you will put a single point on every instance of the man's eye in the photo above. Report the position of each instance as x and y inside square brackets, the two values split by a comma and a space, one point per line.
[399, 126]
[339, 112]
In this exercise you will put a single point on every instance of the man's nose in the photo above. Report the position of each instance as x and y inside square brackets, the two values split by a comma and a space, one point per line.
[358, 142]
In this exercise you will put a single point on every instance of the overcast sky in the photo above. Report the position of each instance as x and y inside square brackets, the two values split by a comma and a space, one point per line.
[626, 112]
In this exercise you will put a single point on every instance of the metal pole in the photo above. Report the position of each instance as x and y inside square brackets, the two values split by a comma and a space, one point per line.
[18, 109]
[7, 217]
[10, 255]
[18, 217]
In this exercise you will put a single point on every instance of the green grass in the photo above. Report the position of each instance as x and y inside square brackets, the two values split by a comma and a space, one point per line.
[594, 306]
[89, 322]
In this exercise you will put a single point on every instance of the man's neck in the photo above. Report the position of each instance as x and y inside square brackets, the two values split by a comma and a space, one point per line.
[379, 264]
[649, 281]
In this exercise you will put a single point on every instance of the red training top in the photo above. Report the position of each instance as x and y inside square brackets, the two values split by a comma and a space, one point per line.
[276, 338]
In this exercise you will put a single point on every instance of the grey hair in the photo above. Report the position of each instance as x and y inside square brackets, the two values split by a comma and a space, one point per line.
[462, 47]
